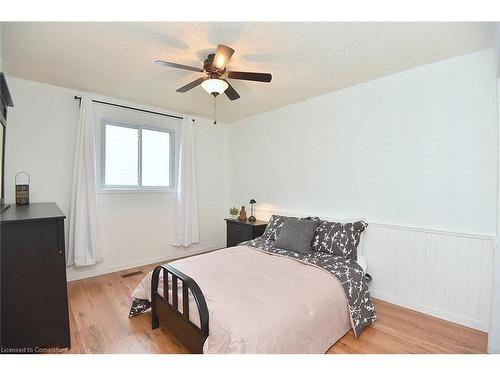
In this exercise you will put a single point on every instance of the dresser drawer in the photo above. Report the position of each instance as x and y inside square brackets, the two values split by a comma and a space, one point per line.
[238, 231]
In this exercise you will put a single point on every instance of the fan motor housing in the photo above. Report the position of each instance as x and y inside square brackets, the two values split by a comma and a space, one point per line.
[207, 64]
[211, 70]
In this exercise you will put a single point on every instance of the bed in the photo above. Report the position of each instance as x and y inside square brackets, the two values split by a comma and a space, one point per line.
[256, 298]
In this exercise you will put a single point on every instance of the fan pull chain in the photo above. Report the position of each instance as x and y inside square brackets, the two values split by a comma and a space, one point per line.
[215, 110]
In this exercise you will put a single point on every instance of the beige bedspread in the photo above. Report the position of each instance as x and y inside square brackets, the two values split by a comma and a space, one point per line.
[263, 303]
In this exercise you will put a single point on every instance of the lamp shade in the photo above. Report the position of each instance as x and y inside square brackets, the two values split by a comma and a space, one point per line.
[252, 201]
[214, 85]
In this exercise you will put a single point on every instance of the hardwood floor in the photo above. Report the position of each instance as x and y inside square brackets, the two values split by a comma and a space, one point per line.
[99, 324]
[400, 330]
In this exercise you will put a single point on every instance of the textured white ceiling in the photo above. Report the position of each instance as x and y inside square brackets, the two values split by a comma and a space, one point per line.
[306, 59]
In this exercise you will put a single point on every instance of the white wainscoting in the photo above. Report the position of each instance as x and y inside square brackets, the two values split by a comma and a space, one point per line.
[440, 273]
[446, 275]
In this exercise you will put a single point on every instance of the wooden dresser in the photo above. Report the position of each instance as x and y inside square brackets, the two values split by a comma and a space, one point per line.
[239, 231]
[34, 302]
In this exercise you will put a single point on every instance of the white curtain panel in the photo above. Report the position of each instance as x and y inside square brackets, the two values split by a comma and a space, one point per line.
[186, 212]
[84, 247]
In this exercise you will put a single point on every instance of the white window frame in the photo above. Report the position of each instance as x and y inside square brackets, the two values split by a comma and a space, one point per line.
[138, 188]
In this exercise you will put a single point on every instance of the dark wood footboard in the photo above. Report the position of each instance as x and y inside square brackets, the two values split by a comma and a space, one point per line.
[167, 312]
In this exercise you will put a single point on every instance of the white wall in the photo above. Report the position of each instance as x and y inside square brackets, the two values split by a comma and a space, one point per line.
[416, 150]
[494, 336]
[135, 228]
[40, 138]
[1, 47]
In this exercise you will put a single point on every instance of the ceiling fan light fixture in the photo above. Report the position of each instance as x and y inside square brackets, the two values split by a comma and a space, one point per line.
[214, 85]
[214, 80]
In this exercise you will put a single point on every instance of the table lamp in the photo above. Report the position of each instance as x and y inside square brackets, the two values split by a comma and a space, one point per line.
[252, 217]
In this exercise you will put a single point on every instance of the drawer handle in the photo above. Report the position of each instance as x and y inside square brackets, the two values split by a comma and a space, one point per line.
[60, 251]
[238, 231]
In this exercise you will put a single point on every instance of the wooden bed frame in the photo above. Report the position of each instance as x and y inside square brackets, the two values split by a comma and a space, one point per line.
[167, 312]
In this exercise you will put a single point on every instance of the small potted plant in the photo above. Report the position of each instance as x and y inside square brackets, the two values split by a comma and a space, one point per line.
[233, 211]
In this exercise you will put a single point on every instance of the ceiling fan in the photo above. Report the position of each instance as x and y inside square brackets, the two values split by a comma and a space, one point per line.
[215, 80]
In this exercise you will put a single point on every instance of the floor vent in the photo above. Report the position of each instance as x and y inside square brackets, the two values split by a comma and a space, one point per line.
[131, 274]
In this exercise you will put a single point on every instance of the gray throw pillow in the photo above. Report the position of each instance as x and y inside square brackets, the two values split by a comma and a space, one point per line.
[296, 235]
[274, 226]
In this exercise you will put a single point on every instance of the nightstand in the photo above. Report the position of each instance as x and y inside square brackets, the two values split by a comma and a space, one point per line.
[239, 231]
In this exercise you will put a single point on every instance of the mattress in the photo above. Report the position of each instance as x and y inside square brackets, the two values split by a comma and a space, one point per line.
[261, 303]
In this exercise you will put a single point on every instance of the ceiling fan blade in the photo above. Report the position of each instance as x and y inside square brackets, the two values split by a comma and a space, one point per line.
[248, 76]
[178, 66]
[231, 92]
[191, 85]
[222, 56]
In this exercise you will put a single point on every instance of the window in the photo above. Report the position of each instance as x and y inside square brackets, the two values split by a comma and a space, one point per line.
[138, 158]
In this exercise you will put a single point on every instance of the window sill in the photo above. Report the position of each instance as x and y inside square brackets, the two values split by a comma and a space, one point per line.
[134, 191]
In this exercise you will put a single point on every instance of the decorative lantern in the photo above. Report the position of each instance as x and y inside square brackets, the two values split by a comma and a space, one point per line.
[252, 203]
[22, 190]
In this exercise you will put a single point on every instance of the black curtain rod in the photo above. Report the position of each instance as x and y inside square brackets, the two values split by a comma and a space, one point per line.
[127, 107]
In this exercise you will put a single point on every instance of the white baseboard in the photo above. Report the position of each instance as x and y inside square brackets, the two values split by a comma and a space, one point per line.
[73, 275]
[462, 320]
